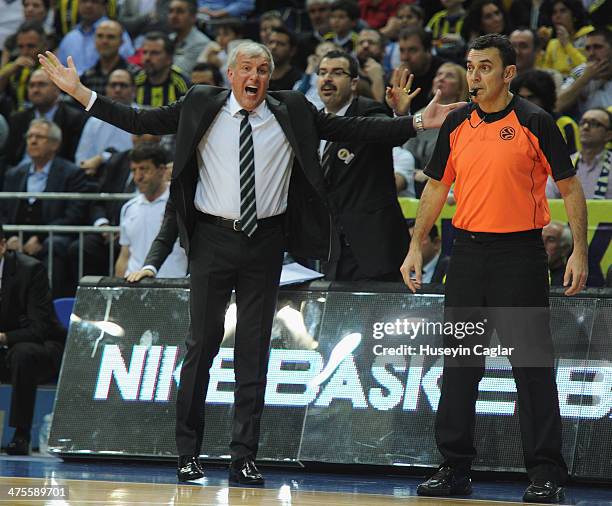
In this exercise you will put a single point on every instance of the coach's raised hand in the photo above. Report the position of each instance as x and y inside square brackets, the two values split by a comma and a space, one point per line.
[65, 78]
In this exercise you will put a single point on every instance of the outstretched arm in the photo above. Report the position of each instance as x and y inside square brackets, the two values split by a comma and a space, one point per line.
[65, 78]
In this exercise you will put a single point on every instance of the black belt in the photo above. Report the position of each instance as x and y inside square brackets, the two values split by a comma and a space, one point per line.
[235, 225]
[535, 233]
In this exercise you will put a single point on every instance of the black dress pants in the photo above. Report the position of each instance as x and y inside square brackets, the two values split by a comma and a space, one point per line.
[25, 366]
[502, 271]
[220, 260]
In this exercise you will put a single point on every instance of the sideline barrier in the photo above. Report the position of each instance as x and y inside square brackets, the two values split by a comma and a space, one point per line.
[118, 382]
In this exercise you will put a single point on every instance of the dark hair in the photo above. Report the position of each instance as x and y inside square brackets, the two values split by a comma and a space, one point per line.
[351, 8]
[232, 24]
[602, 32]
[537, 42]
[2, 236]
[168, 43]
[473, 18]
[608, 113]
[285, 31]
[579, 14]
[204, 67]
[31, 26]
[541, 84]
[433, 233]
[192, 6]
[415, 31]
[132, 81]
[417, 10]
[149, 151]
[46, 3]
[500, 42]
[352, 61]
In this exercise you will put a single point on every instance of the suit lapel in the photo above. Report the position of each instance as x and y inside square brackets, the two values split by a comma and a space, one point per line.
[279, 109]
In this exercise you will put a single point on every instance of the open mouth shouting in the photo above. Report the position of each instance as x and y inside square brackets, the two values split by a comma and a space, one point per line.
[251, 91]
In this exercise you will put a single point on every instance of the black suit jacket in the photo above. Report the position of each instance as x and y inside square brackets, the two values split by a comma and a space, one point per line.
[64, 176]
[363, 198]
[70, 120]
[26, 310]
[308, 220]
[164, 240]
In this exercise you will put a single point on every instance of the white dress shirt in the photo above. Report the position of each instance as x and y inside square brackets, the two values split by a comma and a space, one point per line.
[218, 188]
[139, 223]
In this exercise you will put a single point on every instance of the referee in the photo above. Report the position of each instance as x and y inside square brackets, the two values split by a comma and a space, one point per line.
[498, 151]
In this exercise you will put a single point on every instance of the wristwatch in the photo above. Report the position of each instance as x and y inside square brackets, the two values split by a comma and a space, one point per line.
[418, 122]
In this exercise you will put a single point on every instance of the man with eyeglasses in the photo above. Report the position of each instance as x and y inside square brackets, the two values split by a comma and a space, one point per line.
[593, 162]
[369, 231]
[108, 42]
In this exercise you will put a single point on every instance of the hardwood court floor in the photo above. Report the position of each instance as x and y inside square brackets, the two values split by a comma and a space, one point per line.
[125, 493]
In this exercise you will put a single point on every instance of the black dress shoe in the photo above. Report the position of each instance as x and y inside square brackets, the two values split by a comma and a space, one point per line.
[446, 482]
[245, 472]
[18, 446]
[547, 492]
[189, 468]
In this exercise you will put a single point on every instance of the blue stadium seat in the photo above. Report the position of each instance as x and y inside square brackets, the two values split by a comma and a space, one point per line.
[63, 310]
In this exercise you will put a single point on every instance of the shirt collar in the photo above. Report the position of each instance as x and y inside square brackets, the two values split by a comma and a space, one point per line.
[162, 198]
[342, 110]
[45, 170]
[93, 27]
[49, 114]
[235, 107]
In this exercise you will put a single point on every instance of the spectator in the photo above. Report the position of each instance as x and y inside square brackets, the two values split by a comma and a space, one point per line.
[283, 46]
[451, 80]
[558, 243]
[189, 42]
[267, 22]
[159, 82]
[143, 16]
[15, 75]
[99, 139]
[109, 35]
[318, 13]
[80, 41]
[115, 176]
[45, 99]
[370, 53]
[342, 22]
[590, 84]
[445, 26]
[142, 216]
[46, 172]
[12, 16]
[31, 336]
[593, 162]
[68, 14]
[36, 11]
[369, 230]
[217, 9]
[538, 87]
[435, 265]
[416, 56]
[408, 16]
[215, 53]
[565, 52]
[205, 73]
[527, 45]
[308, 84]
[483, 17]
[376, 13]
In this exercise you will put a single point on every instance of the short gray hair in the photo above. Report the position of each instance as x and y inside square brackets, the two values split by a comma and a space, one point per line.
[55, 132]
[250, 49]
[318, 2]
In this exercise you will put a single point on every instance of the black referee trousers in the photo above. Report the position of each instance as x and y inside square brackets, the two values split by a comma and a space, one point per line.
[497, 271]
[220, 260]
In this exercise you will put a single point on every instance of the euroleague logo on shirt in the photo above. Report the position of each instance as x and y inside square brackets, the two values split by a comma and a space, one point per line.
[507, 133]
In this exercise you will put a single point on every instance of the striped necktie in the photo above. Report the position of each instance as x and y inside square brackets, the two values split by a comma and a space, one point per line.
[325, 158]
[248, 207]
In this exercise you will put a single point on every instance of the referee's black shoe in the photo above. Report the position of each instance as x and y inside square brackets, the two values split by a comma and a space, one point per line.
[446, 482]
[189, 468]
[541, 491]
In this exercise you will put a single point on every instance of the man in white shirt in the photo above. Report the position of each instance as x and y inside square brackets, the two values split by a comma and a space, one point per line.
[141, 217]
[247, 185]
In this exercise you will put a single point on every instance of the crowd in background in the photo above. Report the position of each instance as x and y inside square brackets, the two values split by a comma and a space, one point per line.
[148, 53]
